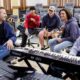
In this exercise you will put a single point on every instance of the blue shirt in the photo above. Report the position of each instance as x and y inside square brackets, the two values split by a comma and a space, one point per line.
[51, 22]
[6, 33]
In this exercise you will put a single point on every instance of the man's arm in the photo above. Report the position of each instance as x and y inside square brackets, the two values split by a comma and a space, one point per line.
[43, 24]
[58, 24]
[38, 21]
[10, 36]
[73, 33]
[26, 21]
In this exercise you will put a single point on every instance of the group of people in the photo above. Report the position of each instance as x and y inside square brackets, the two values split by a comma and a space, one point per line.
[68, 32]
[65, 23]
[32, 22]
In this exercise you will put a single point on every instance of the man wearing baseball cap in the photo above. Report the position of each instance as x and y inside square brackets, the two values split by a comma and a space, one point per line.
[49, 22]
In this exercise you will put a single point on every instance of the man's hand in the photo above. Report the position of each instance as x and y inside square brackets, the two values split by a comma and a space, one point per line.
[32, 19]
[10, 44]
[59, 40]
[26, 32]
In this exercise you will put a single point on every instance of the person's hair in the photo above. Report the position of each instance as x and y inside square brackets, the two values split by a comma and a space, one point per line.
[2, 8]
[68, 13]
[32, 8]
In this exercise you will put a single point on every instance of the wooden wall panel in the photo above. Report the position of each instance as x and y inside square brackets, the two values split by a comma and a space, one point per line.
[78, 2]
[23, 6]
[7, 5]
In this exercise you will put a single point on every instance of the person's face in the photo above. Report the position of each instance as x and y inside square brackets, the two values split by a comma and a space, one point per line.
[33, 12]
[3, 14]
[51, 12]
[63, 16]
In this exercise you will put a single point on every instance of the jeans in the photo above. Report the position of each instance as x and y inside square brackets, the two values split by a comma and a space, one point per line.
[4, 51]
[57, 47]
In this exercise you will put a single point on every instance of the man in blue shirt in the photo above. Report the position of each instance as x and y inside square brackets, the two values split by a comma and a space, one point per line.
[50, 22]
[7, 36]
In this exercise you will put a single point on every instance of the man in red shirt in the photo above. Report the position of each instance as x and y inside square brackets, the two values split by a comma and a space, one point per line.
[31, 22]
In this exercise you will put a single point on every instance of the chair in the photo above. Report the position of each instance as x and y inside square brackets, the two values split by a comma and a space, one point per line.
[57, 11]
[42, 13]
[77, 14]
[69, 6]
[21, 14]
[29, 37]
[29, 43]
[53, 4]
[27, 11]
[38, 7]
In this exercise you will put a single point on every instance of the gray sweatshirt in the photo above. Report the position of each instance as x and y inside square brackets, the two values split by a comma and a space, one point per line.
[71, 30]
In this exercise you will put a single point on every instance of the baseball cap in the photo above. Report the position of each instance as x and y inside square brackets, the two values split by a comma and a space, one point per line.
[52, 8]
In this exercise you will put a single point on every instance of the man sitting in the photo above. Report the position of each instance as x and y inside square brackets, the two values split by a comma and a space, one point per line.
[69, 35]
[7, 36]
[49, 22]
[31, 22]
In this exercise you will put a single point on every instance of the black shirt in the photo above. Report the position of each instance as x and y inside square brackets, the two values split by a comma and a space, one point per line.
[2, 34]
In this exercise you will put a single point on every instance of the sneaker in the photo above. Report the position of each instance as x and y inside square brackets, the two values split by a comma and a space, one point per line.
[43, 48]
[23, 45]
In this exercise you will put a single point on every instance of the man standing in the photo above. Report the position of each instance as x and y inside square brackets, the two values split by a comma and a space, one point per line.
[31, 22]
[50, 22]
[69, 35]
[7, 37]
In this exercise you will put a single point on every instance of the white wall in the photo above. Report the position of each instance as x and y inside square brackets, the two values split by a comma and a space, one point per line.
[1, 3]
[34, 2]
[15, 3]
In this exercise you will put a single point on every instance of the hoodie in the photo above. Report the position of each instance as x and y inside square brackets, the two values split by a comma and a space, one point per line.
[71, 30]
[30, 24]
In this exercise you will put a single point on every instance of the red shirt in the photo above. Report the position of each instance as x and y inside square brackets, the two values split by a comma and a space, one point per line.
[30, 24]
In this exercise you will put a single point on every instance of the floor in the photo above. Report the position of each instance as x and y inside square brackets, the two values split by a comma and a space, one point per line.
[33, 63]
